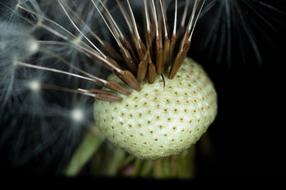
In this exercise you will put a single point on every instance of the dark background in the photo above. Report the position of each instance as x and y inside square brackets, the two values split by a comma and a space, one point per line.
[248, 134]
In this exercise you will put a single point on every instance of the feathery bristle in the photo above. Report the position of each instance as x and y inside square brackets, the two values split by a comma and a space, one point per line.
[140, 57]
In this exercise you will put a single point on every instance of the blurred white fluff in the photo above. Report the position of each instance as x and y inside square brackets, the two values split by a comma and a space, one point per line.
[40, 123]
[16, 44]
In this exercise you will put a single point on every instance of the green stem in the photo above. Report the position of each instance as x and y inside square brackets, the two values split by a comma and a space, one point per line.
[88, 147]
[115, 162]
[146, 168]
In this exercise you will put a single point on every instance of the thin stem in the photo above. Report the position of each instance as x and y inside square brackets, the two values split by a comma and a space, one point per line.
[196, 20]
[49, 21]
[54, 71]
[175, 18]
[155, 17]
[76, 27]
[50, 53]
[111, 19]
[184, 17]
[56, 33]
[147, 17]
[68, 90]
[133, 21]
[164, 19]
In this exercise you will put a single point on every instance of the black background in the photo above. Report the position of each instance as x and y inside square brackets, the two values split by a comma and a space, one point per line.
[248, 134]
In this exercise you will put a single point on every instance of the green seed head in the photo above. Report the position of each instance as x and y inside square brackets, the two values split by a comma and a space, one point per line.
[164, 118]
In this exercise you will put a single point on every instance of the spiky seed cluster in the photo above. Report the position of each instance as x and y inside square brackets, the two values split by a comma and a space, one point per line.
[145, 56]
[161, 120]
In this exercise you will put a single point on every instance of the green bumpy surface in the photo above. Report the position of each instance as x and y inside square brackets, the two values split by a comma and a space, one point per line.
[161, 120]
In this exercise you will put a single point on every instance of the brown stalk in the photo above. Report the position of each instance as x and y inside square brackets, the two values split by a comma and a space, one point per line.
[105, 96]
[151, 73]
[172, 47]
[180, 57]
[129, 79]
[142, 68]
[117, 87]
[166, 52]
[159, 55]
